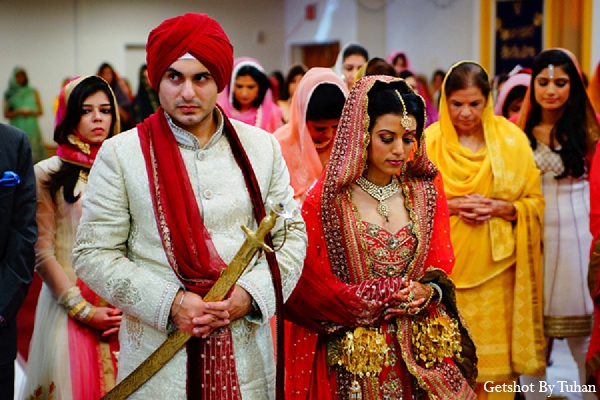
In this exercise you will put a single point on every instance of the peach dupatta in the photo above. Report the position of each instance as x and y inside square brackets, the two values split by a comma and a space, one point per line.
[297, 146]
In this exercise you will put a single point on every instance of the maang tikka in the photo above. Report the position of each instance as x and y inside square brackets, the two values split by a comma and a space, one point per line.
[405, 121]
[551, 71]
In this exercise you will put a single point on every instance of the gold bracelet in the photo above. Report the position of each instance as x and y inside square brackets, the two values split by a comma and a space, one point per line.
[427, 302]
[87, 314]
[76, 309]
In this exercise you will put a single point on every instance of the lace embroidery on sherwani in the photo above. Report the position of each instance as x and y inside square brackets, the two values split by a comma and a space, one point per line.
[124, 291]
[135, 331]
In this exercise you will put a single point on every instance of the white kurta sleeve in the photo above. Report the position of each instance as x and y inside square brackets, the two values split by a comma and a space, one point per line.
[99, 255]
[257, 279]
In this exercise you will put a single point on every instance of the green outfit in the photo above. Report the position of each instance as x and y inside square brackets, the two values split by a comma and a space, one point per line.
[19, 97]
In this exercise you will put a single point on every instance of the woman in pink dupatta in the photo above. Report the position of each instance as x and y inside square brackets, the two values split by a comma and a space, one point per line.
[511, 95]
[306, 141]
[74, 346]
[248, 96]
[399, 60]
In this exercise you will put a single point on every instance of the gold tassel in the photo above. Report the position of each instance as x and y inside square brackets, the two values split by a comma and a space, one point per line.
[355, 390]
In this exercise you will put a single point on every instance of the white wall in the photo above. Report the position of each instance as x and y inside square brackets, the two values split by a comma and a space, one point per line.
[60, 38]
[433, 36]
[335, 21]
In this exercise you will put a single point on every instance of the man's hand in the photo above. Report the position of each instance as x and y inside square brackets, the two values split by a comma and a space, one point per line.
[197, 317]
[239, 303]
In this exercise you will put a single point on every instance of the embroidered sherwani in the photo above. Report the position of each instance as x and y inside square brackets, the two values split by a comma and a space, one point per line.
[119, 252]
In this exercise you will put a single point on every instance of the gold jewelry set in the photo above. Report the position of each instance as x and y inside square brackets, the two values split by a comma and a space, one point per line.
[77, 307]
[363, 352]
[436, 336]
[380, 193]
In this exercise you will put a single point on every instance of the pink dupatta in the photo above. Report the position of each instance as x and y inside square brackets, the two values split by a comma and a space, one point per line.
[267, 116]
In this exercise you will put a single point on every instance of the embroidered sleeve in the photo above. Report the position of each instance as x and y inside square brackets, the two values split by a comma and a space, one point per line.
[100, 250]
[257, 280]
[46, 263]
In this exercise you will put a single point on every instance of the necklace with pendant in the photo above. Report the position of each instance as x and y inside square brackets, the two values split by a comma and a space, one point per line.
[380, 193]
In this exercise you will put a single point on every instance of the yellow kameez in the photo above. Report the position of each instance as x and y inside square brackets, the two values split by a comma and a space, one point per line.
[498, 264]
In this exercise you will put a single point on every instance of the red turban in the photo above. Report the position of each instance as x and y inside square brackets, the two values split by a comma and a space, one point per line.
[197, 34]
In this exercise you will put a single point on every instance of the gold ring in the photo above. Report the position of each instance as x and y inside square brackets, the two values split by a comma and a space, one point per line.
[411, 297]
[403, 306]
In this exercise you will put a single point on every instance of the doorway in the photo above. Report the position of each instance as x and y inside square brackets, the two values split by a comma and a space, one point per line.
[316, 55]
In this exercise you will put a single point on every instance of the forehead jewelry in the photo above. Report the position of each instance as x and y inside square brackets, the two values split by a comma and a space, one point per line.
[405, 121]
[551, 71]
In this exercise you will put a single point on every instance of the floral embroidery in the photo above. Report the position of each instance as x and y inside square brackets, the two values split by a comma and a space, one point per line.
[135, 331]
[41, 394]
[389, 254]
[86, 235]
[124, 291]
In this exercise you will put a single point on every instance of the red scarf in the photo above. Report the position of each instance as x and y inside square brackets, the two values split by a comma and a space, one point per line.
[79, 150]
[190, 250]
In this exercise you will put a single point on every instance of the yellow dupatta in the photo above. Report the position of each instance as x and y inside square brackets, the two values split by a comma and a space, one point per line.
[504, 169]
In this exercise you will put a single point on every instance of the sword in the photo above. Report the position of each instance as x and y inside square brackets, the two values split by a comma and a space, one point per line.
[151, 365]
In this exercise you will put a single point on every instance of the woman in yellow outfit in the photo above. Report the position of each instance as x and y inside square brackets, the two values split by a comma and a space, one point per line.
[496, 207]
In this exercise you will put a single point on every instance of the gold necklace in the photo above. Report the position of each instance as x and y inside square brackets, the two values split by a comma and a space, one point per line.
[380, 193]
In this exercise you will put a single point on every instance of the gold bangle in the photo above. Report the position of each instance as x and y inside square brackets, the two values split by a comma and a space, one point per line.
[73, 311]
[90, 314]
[426, 302]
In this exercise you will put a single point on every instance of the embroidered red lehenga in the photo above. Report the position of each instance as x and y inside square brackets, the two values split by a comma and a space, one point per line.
[353, 268]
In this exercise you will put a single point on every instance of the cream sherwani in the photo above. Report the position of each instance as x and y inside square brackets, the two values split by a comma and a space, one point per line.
[120, 256]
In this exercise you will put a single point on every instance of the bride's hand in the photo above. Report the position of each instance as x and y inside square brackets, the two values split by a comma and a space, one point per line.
[410, 298]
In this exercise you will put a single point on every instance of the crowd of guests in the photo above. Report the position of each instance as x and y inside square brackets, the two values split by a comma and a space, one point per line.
[447, 232]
